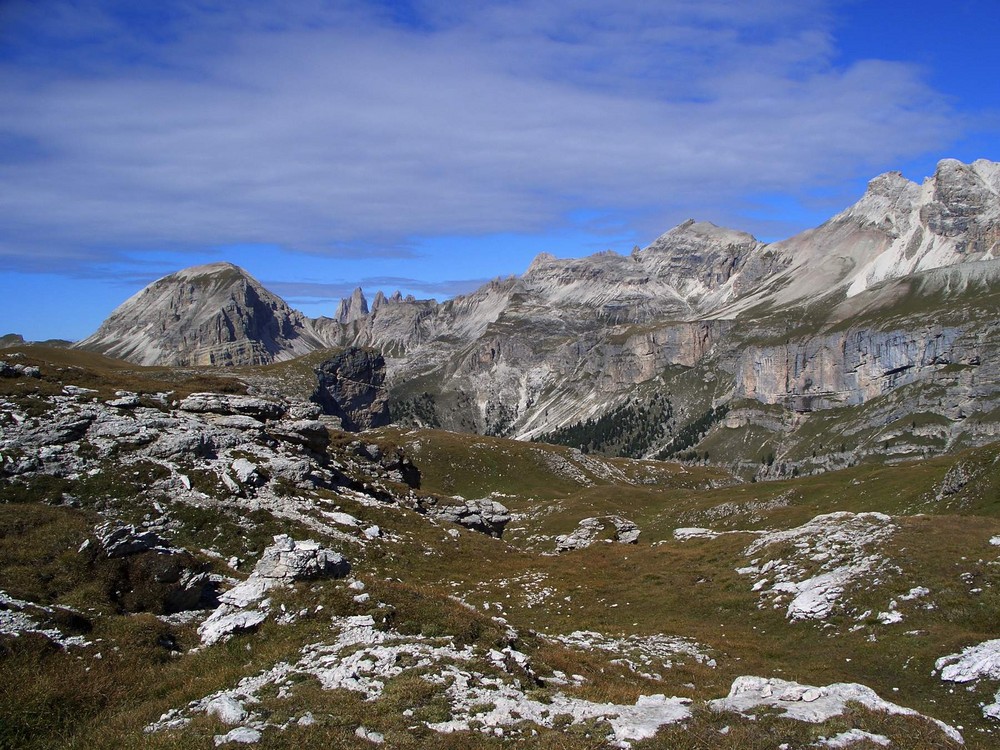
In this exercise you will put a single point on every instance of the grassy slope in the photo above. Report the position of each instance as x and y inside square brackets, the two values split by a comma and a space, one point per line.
[53, 699]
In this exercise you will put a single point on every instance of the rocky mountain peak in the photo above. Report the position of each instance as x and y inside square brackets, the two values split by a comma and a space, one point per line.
[886, 204]
[219, 271]
[954, 217]
[698, 257]
[352, 308]
[541, 260]
[214, 314]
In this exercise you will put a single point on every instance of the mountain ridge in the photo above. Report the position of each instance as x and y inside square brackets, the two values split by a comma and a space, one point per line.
[711, 315]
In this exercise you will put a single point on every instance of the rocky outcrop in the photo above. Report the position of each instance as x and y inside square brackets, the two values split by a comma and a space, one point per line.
[589, 529]
[288, 560]
[809, 703]
[352, 387]
[352, 308]
[150, 575]
[120, 541]
[956, 480]
[17, 370]
[485, 516]
[245, 606]
[221, 403]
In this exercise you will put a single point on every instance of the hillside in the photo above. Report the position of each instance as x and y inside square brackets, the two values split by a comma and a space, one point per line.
[465, 591]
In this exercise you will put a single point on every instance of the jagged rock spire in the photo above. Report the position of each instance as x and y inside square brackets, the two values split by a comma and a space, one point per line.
[352, 308]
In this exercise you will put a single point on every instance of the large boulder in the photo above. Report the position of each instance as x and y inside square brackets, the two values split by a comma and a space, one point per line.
[288, 560]
[351, 385]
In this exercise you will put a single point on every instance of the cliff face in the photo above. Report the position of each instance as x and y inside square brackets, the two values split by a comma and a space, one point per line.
[848, 368]
[351, 385]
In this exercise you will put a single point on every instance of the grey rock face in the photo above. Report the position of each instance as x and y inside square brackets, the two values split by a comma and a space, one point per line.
[119, 541]
[846, 369]
[244, 607]
[352, 308]
[17, 370]
[218, 403]
[351, 386]
[955, 480]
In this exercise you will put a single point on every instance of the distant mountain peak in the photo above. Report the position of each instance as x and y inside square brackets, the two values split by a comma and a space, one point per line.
[352, 308]
[953, 217]
[207, 269]
[213, 314]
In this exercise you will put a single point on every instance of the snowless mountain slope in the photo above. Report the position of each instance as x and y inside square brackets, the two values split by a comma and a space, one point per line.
[215, 314]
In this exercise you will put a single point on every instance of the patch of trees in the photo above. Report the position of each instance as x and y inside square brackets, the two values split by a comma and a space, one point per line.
[630, 429]
[419, 411]
[690, 434]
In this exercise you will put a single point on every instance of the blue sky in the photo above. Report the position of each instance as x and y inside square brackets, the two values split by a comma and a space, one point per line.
[428, 146]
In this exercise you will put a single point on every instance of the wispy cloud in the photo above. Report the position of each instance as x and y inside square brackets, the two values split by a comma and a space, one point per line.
[353, 131]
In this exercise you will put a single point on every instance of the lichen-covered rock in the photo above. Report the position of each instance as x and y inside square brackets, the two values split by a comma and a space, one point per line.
[351, 385]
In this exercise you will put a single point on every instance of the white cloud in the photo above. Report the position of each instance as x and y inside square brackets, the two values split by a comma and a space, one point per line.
[318, 131]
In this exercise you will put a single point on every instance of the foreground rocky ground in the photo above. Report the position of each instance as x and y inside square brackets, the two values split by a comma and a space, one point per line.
[185, 564]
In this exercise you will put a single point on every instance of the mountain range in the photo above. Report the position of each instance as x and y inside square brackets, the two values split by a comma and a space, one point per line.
[706, 341]
[202, 556]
